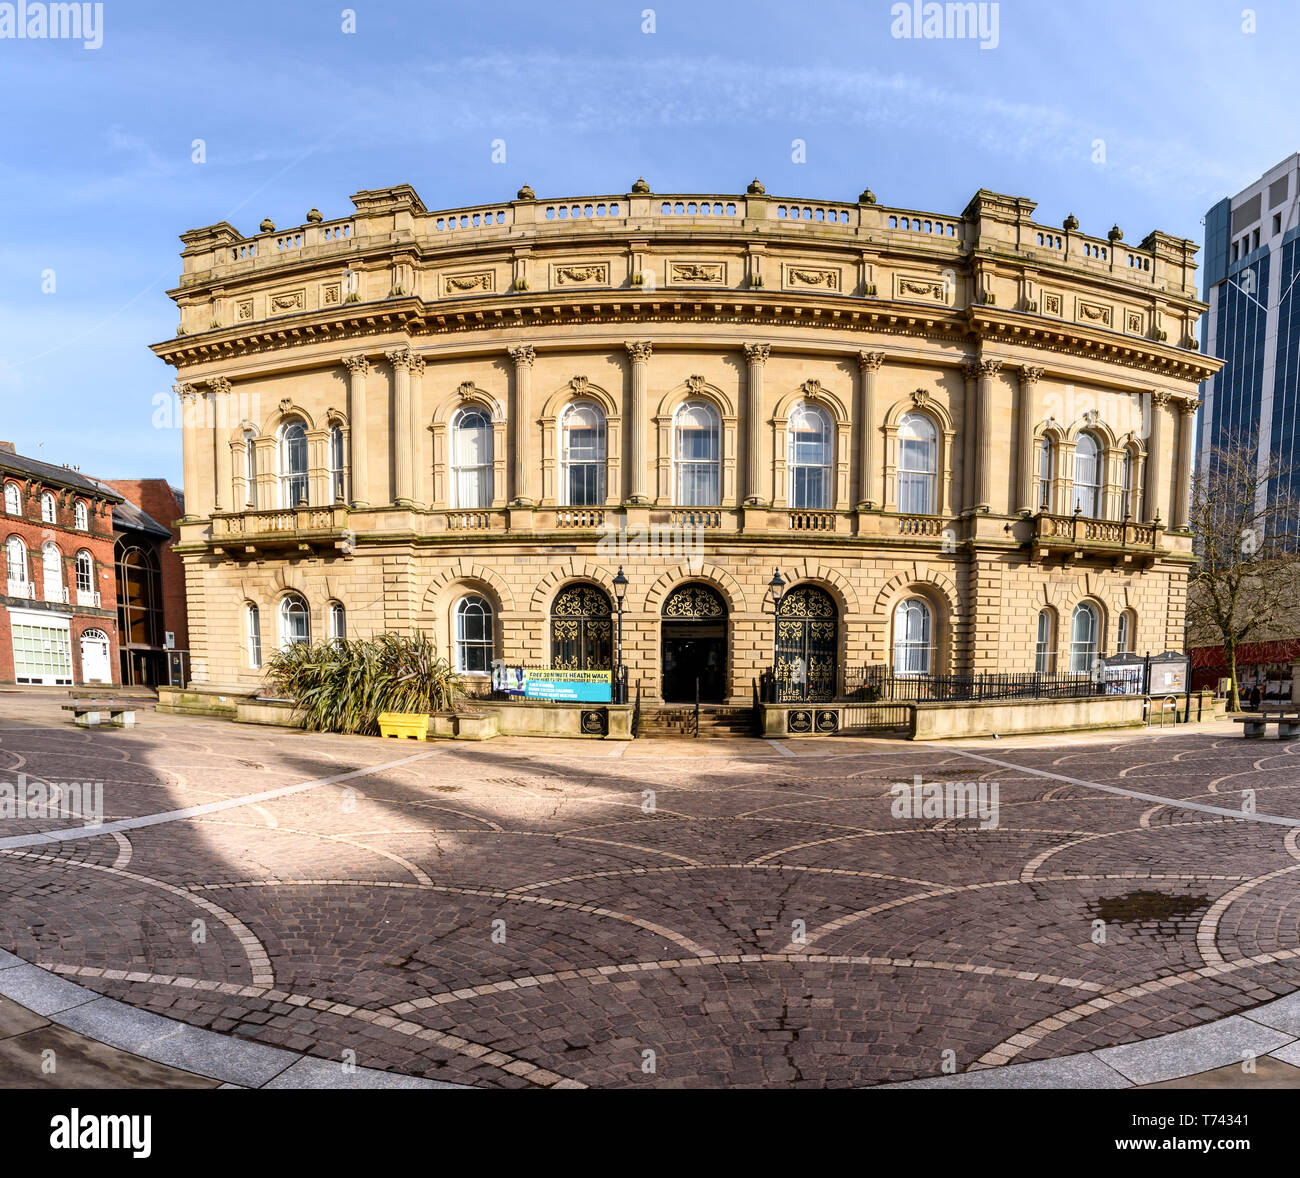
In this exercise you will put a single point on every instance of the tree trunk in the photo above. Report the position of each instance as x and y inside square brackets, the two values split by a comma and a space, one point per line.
[1234, 690]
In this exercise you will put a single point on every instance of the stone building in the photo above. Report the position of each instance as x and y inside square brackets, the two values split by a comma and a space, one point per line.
[964, 441]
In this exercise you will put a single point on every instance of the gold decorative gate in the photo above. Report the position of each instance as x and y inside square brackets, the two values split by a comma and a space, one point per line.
[581, 630]
[807, 632]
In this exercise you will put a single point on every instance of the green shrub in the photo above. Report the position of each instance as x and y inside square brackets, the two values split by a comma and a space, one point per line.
[342, 684]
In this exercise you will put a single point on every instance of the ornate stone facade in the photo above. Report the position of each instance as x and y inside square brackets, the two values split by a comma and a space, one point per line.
[975, 412]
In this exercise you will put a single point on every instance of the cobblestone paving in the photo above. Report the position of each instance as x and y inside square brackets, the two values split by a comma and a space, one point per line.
[525, 913]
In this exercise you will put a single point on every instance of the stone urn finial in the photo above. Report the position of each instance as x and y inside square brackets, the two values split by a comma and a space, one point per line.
[525, 193]
[755, 188]
[866, 197]
[267, 225]
[641, 187]
[314, 216]
[1115, 234]
[1070, 224]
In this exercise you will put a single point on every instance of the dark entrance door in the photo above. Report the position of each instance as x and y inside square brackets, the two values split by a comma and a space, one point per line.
[694, 645]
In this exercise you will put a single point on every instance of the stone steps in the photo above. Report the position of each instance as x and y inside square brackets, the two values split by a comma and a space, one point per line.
[716, 720]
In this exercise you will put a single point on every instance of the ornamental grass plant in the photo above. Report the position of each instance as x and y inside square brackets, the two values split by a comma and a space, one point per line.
[343, 684]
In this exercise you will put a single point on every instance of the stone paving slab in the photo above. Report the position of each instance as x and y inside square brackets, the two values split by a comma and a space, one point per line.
[1197, 1049]
[527, 913]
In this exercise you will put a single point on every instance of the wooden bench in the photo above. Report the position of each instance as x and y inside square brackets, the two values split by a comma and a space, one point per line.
[1256, 724]
[90, 713]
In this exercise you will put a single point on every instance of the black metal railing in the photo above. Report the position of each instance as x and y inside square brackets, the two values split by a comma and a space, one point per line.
[870, 684]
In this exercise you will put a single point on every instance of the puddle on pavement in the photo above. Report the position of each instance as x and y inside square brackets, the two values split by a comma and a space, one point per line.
[1147, 907]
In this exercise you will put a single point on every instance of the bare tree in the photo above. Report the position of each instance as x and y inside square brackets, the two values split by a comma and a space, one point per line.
[1243, 519]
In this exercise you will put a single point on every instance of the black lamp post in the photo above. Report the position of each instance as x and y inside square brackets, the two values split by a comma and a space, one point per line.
[775, 592]
[620, 592]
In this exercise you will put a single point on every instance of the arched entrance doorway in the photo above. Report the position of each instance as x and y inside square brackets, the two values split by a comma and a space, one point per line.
[95, 666]
[694, 645]
[807, 633]
[581, 631]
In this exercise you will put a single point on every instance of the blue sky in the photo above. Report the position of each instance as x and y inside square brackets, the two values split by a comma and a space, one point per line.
[294, 112]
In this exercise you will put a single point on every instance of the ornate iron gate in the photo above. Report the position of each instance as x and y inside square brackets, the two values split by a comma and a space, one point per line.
[581, 630]
[807, 632]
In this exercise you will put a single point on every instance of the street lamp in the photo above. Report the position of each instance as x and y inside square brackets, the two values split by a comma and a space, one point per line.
[775, 592]
[620, 592]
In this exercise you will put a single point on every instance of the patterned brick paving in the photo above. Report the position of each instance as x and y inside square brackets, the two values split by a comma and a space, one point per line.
[563, 914]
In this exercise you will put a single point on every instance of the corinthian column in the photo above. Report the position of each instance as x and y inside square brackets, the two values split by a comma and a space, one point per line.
[223, 500]
[1029, 378]
[1183, 485]
[189, 447]
[1157, 475]
[402, 360]
[639, 355]
[523, 355]
[358, 369]
[868, 365]
[988, 370]
[755, 356]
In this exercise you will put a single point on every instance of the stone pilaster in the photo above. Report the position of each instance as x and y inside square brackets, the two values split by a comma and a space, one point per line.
[868, 366]
[223, 497]
[969, 434]
[637, 420]
[988, 371]
[1183, 474]
[189, 399]
[1030, 375]
[523, 356]
[1157, 473]
[402, 361]
[358, 370]
[755, 357]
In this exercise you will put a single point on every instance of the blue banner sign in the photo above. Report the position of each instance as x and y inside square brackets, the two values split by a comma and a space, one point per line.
[540, 683]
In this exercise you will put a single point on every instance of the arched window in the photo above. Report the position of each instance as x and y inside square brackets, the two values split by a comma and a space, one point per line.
[913, 637]
[338, 621]
[582, 455]
[1045, 645]
[85, 578]
[52, 568]
[1124, 627]
[293, 464]
[471, 458]
[809, 459]
[918, 457]
[338, 465]
[253, 620]
[1046, 472]
[16, 563]
[295, 624]
[581, 630]
[13, 499]
[139, 597]
[473, 643]
[81, 517]
[1084, 627]
[1087, 476]
[250, 468]
[697, 451]
[48, 512]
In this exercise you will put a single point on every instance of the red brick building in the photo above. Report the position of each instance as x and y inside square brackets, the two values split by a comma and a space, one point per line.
[153, 626]
[58, 610]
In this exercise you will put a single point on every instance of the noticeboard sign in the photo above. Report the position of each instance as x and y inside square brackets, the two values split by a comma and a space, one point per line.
[543, 684]
[1169, 673]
